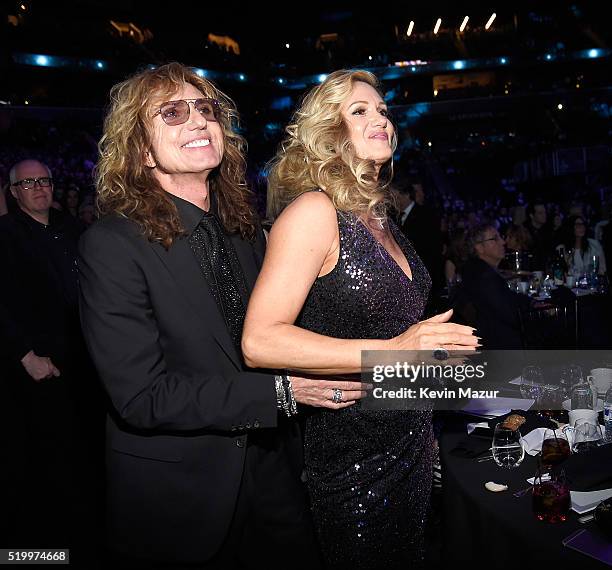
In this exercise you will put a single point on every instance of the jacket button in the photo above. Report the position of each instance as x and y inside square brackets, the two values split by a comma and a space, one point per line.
[239, 443]
[256, 424]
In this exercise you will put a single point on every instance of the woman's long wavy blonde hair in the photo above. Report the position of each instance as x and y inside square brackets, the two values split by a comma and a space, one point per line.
[318, 153]
[127, 187]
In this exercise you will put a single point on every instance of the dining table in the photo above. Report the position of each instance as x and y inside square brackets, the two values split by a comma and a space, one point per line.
[498, 529]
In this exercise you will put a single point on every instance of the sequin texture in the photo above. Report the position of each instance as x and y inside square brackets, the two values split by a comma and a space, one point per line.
[368, 472]
[219, 263]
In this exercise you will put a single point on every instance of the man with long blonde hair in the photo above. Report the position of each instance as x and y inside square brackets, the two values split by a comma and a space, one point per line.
[196, 474]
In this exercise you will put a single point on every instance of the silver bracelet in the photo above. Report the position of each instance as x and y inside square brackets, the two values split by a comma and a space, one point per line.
[291, 397]
[285, 400]
[281, 398]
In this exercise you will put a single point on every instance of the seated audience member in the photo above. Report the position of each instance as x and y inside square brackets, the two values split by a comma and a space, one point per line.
[581, 248]
[420, 224]
[518, 238]
[484, 297]
[71, 201]
[540, 232]
[87, 213]
[557, 228]
[456, 255]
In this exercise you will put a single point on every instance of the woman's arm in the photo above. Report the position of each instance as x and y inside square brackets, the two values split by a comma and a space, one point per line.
[304, 244]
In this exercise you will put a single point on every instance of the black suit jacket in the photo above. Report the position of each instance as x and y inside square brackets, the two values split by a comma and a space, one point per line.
[183, 403]
[485, 301]
[422, 228]
[38, 288]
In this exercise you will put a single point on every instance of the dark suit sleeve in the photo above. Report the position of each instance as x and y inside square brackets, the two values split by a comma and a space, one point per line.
[13, 328]
[125, 343]
[494, 297]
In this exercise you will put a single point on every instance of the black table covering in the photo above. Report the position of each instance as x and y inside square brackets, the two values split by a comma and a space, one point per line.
[497, 529]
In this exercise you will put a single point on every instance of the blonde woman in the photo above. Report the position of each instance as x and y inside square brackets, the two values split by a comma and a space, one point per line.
[339, 278]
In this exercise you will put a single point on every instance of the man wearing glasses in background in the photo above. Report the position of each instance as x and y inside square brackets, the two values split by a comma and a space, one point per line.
[484, 298]
[42, 366]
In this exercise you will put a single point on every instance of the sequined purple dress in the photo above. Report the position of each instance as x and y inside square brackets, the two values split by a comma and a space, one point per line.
[369, 473]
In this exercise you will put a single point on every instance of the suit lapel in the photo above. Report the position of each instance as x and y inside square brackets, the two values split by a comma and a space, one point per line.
[184, 268]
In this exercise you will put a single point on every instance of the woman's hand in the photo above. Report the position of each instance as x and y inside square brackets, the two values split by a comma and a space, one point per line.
[320, 393]
[437, 332]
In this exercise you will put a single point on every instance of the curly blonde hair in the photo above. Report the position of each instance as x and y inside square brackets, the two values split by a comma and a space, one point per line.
[127, 187]
[318, 153]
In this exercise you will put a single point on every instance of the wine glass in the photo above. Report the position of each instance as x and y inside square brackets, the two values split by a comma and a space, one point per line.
[575, 373]
[549, 400]
[507, 449]
[570, 375]
[587, 436]
[555, 448]
[531, 382]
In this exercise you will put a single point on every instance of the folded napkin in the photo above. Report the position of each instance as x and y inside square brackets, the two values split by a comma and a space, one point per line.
[479, 428]
[590, 471]
[471, 446]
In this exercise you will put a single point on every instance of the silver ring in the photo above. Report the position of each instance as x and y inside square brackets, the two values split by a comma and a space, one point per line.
[440, 353]
[337, 396]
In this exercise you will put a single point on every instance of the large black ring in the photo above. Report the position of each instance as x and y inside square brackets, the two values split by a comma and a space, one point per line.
[440, 353]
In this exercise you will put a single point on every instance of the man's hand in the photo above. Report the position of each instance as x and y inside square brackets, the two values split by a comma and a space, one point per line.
[320, 393]
[39, 367]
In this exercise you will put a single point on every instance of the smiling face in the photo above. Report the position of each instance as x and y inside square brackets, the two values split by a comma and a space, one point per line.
[366, 117]
[193, 148]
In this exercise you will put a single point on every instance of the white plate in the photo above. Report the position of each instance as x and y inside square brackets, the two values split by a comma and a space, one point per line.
[496, 406]
[583, 502]
[598, 408]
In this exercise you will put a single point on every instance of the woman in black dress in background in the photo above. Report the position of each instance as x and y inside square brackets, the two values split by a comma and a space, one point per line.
[338, 278]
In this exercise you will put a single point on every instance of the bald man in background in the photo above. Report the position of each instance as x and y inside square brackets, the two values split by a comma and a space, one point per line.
[45, 378]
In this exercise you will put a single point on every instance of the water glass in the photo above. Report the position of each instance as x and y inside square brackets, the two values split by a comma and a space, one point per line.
[507, 449]
[546, 287]
[550, 399]
[587, 436]
[582, 397]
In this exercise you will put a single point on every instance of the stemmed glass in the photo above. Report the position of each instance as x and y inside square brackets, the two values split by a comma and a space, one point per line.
[531, 382]
[570, 375]
[506, 448]
[566, 381]
[549, 400]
